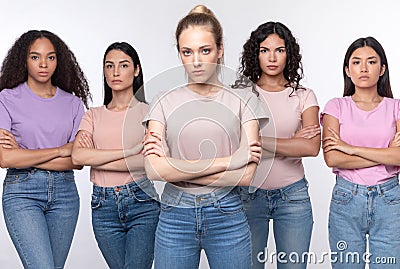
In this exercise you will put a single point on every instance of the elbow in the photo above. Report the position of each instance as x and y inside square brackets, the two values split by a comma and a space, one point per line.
[3, 163]
[330, 162]
[76, 160]
[151, 172]
[314, 152]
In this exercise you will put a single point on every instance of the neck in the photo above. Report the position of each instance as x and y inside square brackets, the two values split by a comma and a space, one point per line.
[122, 100]
[366, 95]
[272, 83]
[44, 90]
[205, 89]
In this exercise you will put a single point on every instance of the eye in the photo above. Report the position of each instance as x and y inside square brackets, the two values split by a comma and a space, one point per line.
[108, 66]
[372, 62]
[263, 50]
[281, 50]
[52, 58]
[186, 52]
[35, 57]
[356, 62]
[124, 65]
[205, 51]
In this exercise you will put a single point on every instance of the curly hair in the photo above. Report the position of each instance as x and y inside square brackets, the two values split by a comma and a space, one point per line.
[249, 63]
[67, 76]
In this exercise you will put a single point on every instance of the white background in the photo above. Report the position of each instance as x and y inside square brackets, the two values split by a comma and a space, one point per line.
[324, 30]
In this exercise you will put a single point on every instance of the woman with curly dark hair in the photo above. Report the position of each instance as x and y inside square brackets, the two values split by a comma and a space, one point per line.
[42, 92]
[271, 59]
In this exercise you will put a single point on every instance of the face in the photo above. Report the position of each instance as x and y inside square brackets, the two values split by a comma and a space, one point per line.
[42, 61]
[199, 53]
[364, 67]
[272, 56]
[119, 70]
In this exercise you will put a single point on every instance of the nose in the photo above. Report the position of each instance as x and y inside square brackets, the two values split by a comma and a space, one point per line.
[197, 60]
[43, 63]
[272, 56]
[116, 71]
[364, 66]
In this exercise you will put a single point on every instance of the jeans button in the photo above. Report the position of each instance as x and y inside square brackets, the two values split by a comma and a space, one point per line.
[198, 199]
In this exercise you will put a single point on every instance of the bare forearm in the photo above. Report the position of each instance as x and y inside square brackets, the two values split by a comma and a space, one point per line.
[387, 156]
[21, 158]
[58, 164]
[342, 160]
[131, 163]
[292, 147]
[96, 157]
[174, 170]
[238, 177]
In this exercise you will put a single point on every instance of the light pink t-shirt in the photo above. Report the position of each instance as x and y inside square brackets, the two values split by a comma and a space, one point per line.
[115, 130]
[373, 129]
[286, 108]
[204, 127]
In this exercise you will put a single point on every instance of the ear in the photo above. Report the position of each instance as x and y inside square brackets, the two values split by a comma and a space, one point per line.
[137, 71]
[221, 51]
[346, 69]
[383, 69]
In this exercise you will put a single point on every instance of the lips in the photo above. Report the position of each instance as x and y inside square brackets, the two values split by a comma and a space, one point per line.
[363, 78]
[43, 74]
[198, 72]
[272, 67]
[116, 81]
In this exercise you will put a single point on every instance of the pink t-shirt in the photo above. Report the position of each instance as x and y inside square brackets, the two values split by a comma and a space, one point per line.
[373, 129]
[115, 130]
[286, 108]
[204, 127]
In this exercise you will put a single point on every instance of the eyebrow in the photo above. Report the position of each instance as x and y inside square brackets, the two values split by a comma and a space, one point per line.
[359, 58]
[37, 53]
[123, 61]
[281, 47]
[202, 47]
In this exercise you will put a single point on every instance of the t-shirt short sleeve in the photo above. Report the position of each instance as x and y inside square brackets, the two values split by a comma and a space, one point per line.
[5, 119]
[332, 108]
[87, 122]
[156, 111]
[255, 109]
[397, 109]
[310, 100]
[79, 112]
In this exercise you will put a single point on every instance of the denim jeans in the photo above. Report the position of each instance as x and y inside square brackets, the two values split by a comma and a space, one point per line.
[214, 222]
[291, 212]
[124, 220]
[358, 210]
[41, 209]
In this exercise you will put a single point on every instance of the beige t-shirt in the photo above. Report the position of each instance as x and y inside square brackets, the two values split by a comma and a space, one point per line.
[286, 109]
[115, 130]
[204, 127]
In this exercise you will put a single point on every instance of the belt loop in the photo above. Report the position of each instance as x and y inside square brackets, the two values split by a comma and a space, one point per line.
[103, 192]
[128, 189]
[379, 189]
[354, 192]
[282, 193]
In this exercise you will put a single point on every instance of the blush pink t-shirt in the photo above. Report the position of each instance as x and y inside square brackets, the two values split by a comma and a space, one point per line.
[115, 130]
[374, 129]
[204, 127]
[286, 108]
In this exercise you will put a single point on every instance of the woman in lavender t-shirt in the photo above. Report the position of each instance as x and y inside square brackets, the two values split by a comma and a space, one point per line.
[361, 144]
[212, 135]
[41, 105]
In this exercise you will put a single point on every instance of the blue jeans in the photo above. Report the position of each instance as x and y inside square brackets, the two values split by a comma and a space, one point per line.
[290, 209]
[214, 222]
[124, 220]
[41, 209]
[358, 210]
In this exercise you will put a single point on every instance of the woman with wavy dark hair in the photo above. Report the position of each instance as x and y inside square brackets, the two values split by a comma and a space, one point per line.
[361, 144]
[42, 92]
[271, 59]
[124, 202]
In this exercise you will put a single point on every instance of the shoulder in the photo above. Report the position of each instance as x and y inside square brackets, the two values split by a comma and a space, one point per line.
[12, 93]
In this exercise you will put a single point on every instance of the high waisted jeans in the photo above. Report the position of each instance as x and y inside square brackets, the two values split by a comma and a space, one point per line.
[41, 209]
[357, 211]
[214, 222]
[124, 220]
[290, 210]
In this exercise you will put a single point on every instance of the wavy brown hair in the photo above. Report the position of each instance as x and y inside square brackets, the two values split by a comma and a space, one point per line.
[67, 76]
[249, 63]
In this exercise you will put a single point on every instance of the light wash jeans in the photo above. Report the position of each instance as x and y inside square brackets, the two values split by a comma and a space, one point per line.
[291, 212]
[357, 211]
[41, 209]
[214, 222]
[124, 220]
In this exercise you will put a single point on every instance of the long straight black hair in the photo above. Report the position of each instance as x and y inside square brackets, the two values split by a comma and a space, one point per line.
[138, 89]
[384, 88]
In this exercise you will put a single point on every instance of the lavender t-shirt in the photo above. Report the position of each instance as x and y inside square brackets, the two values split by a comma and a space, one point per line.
[374, 129]
[205, 127]
[36, 122]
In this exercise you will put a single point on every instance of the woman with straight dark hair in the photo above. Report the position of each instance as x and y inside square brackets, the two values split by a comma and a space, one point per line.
[125, 205]
[271, 59]
[361, 143]
[42, 94]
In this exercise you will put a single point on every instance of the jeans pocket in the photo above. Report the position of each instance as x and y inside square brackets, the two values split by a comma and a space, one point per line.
[96, 201]
[230, 206]
[16, 178]
[392, 196]
[298, 196]
[145, 195]
[341, 195]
